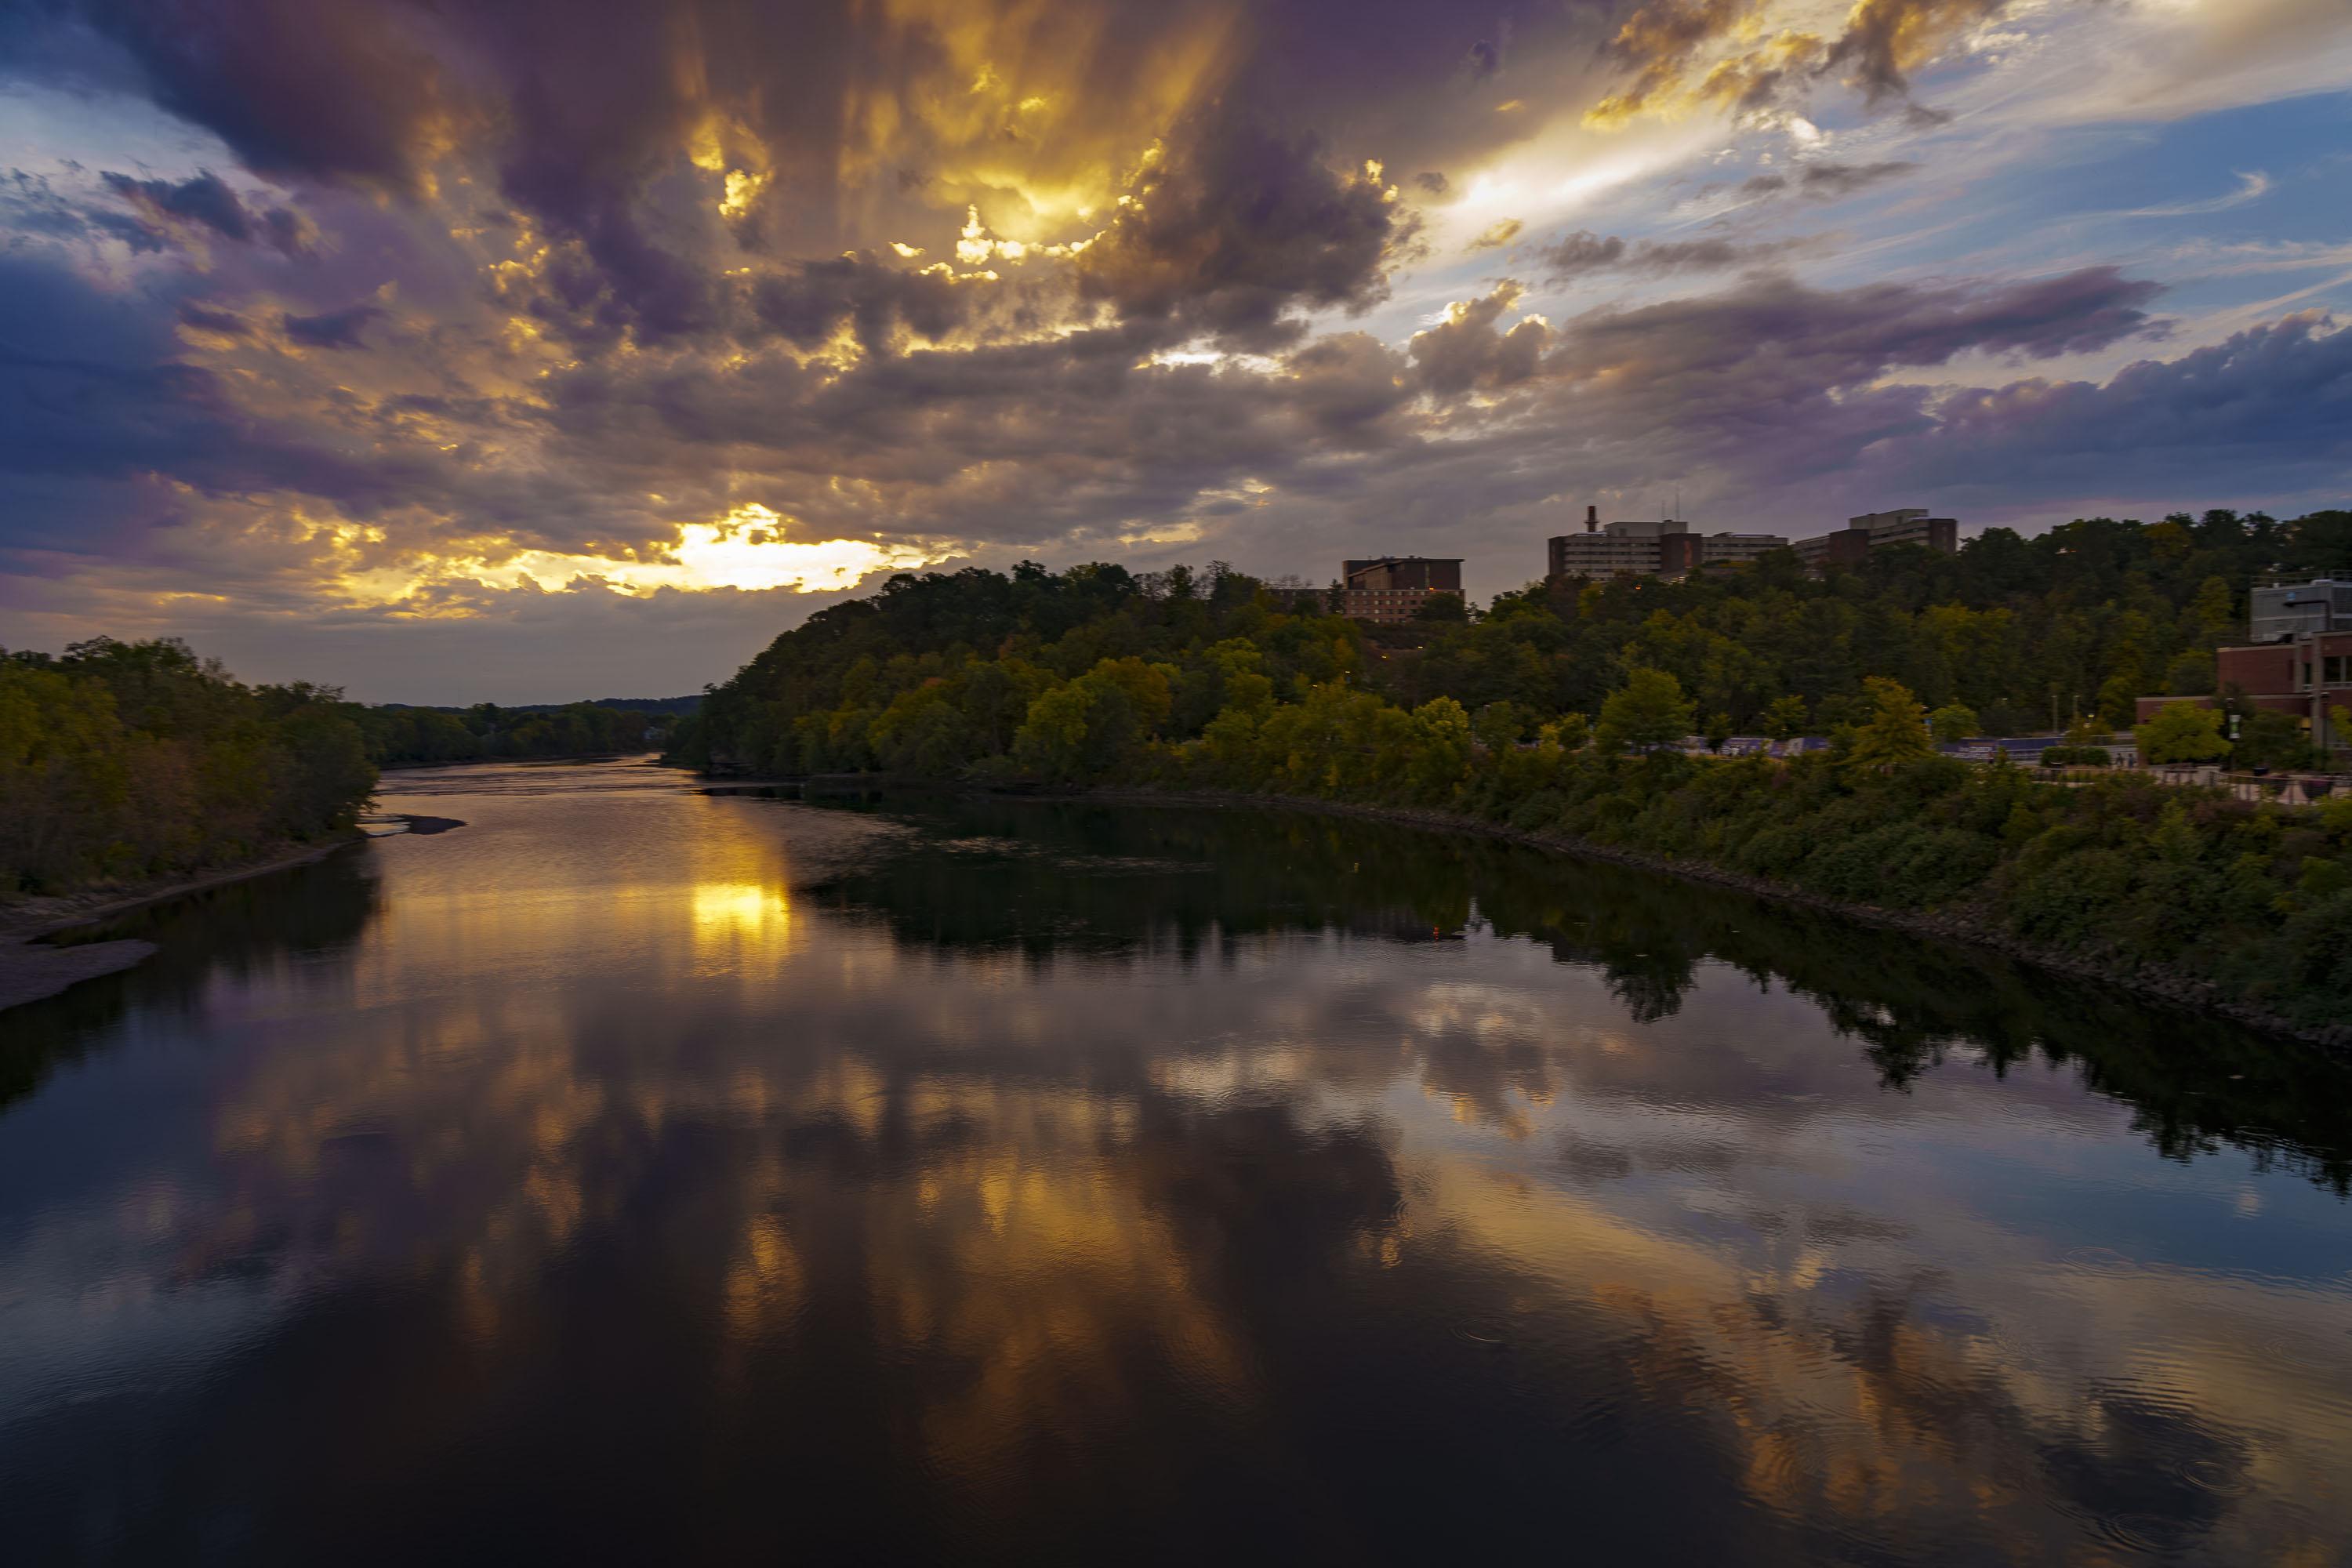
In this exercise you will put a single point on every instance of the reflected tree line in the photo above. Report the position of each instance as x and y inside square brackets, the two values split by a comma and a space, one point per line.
[229, 931]
[1047, 879]
[1051, 881]
[1283, 1223]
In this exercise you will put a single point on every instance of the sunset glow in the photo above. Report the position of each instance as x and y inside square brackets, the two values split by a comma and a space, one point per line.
[308, 375]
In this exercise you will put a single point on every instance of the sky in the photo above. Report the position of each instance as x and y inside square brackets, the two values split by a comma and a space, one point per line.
[559, 349]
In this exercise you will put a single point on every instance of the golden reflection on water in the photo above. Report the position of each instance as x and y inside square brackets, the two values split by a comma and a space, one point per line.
[1083, 1182]
[728, 915]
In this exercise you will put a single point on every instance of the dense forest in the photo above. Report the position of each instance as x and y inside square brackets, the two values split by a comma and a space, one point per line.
[486, 732]
[1561, 709]
[120, 762]
[126, 761]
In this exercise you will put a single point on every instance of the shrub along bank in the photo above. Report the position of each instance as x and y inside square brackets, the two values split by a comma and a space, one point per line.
[2142, 882]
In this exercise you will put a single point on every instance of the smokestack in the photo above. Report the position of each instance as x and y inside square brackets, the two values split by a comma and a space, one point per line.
[1591, 520]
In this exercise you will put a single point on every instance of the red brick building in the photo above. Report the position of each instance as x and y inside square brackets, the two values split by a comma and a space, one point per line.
[1386, 591]
[2284, 676]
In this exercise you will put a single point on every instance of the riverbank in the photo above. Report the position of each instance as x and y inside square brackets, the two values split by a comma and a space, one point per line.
[1958, 923]
[32, 968]
[566, 759]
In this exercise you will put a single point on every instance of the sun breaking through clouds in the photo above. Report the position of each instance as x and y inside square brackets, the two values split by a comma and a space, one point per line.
[488, 354]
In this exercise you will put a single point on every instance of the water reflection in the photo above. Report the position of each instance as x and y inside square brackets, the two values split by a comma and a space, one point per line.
[642, 1174]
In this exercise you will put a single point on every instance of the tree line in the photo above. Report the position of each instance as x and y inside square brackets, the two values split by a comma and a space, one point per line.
[123, 762]
[1564, 709]
[398, 736]
[120, 762]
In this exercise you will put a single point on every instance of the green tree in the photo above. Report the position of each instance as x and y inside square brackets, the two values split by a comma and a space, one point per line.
[1499, 726]
[2271, 740]
[1571, 733]
[2182, 732]
[1440, 751]
[1645, 713]
[1895, 732]
[1953, 722]
[2190, 674]
[1785, 719]
[1443, 607]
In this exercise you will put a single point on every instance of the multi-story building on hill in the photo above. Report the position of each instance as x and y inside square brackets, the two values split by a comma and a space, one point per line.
[2281, 611]
[1880, 530]
[1388, 589]
[1667, 548]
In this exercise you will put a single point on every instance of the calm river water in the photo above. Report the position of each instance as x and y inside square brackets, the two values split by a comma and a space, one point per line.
[643, 1175]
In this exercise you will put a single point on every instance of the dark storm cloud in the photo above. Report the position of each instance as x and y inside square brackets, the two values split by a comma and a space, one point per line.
[203, 318]
[207, 199]
[91, 392]
[1348, 389]
[1236, 228]
[1825, 181]
[1584, 253]
[590, 352]
[1778, 383]
[331, 329]
[1845, 337]
[2274, 400]
[585, 122]
[296, 87]
[87, 386]
[806, 303]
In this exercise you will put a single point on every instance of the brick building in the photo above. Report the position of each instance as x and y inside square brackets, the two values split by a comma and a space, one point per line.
[1388, 589]
[2305, 678]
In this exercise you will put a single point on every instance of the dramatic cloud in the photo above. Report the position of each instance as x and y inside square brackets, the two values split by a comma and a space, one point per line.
[1755, 55]
[1849, 337]
[207, 200]
[1584, 253]
[331, 329]
[392, 325]
[1235, 226]
[1825, 181]
[1884, 40]
[1465, 352]
[2277, 397]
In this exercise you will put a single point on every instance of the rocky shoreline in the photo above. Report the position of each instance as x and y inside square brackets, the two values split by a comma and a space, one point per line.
[1951, 925]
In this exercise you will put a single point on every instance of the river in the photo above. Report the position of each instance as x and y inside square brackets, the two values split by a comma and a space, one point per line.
[642, 1174]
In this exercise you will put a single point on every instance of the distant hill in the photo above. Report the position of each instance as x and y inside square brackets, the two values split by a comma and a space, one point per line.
[678, 705]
